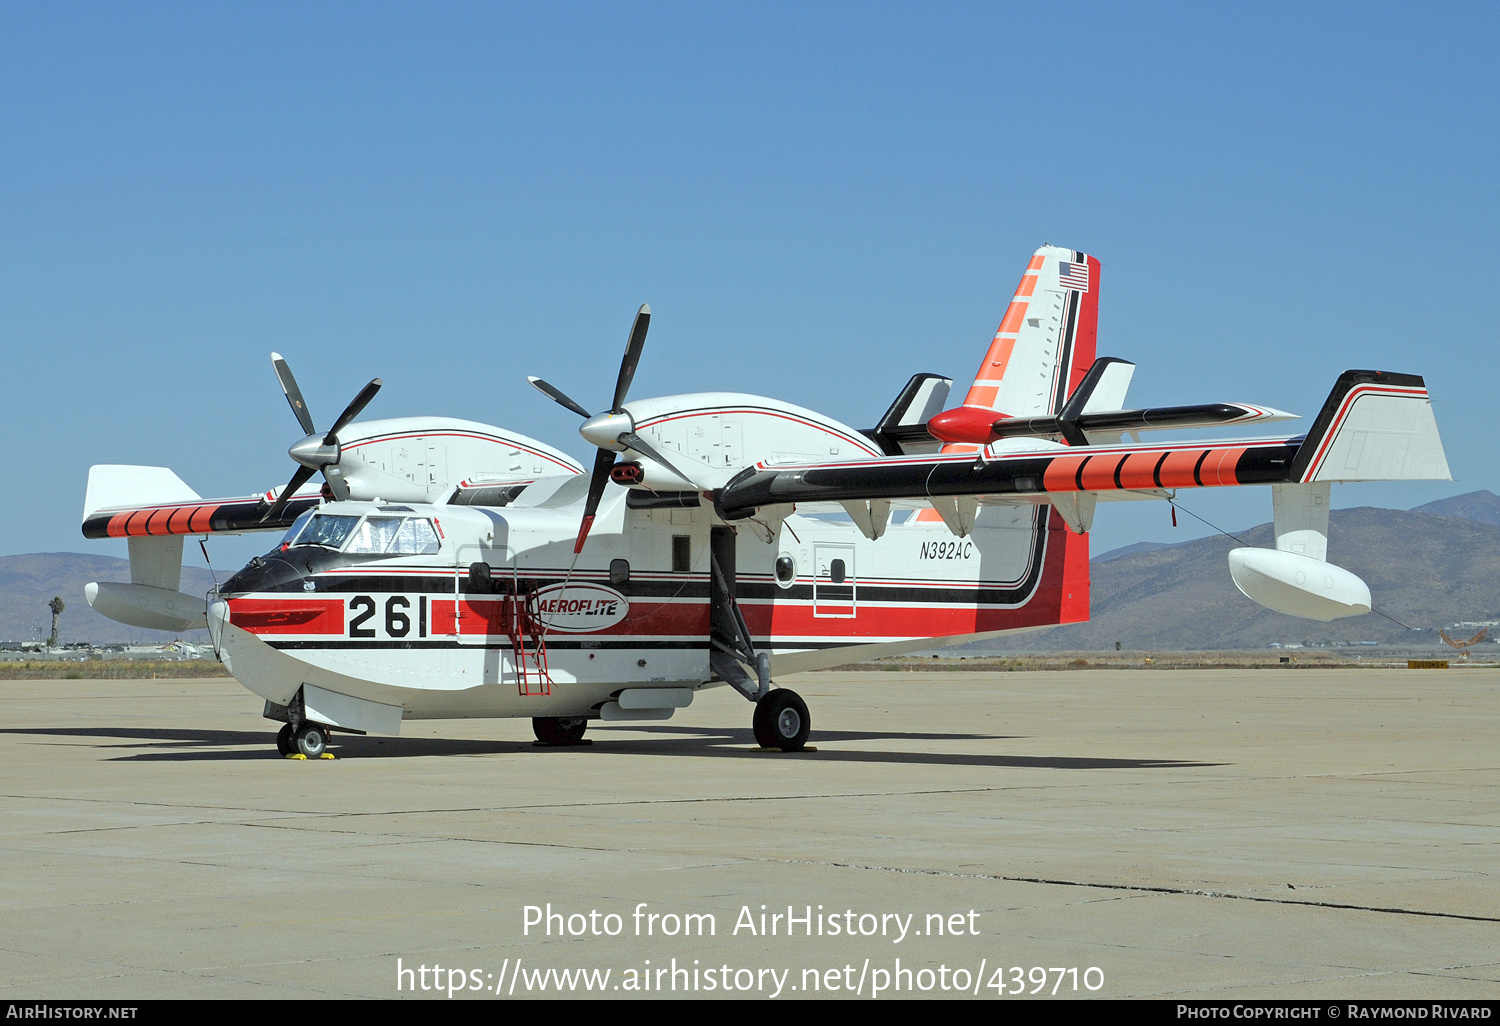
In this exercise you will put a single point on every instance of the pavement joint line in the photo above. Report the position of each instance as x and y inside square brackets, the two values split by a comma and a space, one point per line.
[432, 838]
[523, 808]
[1147, 889]
[157, 805]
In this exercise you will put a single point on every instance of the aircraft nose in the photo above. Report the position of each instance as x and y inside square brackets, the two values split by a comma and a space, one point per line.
[263, 573]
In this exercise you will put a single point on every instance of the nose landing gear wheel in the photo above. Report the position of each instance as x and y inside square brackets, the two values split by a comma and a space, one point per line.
[559, 730]
[284, 743]
[781, 721]
[311, 740]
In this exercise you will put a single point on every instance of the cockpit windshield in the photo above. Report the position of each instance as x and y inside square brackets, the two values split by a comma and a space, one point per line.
[327, 530]
[291, 532]
[372, 535]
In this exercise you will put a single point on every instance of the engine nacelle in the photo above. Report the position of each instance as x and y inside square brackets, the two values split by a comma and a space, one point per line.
[1298, 585]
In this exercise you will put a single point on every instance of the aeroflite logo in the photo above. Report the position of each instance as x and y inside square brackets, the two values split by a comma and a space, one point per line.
[580, 608]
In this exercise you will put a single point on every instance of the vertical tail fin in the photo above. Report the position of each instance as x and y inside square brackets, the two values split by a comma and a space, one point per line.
[1040, 354]
[1045, 343]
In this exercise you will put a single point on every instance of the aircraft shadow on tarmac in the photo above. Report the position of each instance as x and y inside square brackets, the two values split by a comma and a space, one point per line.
[162, 744]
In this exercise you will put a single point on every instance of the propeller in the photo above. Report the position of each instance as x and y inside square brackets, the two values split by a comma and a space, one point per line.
[613, 431]
[316, 451]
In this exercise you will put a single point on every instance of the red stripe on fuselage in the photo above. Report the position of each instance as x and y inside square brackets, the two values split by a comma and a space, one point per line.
[288, 616]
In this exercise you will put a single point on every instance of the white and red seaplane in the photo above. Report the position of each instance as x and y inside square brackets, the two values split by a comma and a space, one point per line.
[450, 569]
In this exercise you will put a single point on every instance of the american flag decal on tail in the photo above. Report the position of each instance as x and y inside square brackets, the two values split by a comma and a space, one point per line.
[1073, 276]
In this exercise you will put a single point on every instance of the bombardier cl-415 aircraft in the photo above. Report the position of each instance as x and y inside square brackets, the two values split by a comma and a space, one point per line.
[451, 569]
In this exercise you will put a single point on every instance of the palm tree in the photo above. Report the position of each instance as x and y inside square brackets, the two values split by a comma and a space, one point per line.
[57, 605]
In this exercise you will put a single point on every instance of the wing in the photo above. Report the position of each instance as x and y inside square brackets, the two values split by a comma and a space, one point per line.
[1374, 426]
[1005, 475]
[151, 502]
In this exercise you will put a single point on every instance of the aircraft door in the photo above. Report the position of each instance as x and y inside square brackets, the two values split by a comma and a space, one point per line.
[479, 610]
[834, 583]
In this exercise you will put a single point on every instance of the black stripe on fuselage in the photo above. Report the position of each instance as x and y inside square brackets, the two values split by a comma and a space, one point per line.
[983, 593]
[553, 642]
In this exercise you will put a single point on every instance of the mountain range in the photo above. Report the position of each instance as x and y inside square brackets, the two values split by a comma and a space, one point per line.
[1427, 568]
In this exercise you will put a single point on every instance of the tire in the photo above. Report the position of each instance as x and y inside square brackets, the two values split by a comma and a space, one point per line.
[781, 721]
[311, 740]
[559, 730]
[284, 743]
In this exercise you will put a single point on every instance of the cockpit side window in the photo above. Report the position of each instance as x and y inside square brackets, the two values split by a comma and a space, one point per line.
[327, 530]
[374, 534]
[290, 538]
[416, 538]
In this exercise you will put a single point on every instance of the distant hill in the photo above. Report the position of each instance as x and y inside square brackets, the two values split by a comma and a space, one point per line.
[1129, 550]
[28, 582]
[1424, 569]
[1483, 506]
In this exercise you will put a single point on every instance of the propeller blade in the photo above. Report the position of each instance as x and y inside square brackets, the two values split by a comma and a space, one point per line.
[603, 461]
[293, 394]
[556, 395]
[632, 356]
[640, 445]
[353, 410]
[298, 480]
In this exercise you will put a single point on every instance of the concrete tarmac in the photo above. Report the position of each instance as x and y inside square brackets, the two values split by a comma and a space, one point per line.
[1214, 834]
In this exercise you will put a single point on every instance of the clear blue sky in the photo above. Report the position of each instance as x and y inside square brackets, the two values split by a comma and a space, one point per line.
[817, 200]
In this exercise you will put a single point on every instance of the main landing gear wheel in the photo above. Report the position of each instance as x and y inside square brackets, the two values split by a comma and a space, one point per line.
[781, 720]
[311, 740]
[559, 730]
[284, 743]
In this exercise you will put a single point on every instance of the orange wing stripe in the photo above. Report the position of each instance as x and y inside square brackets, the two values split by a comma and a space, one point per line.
[1138, 470]
[132, 528]
[1099, 475]
[201, 518]
[157, 521]
[1062, 474]
[1177, 472]
[1223, 463]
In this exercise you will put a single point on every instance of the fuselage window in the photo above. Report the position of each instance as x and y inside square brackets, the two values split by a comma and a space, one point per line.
[682, 553]
[327, 530]
[786, 570]
[375, 534]
[416, 538]
[837, 572]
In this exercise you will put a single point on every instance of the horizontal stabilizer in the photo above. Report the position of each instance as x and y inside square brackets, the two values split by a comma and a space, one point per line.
[903, 429]
[1159, 418]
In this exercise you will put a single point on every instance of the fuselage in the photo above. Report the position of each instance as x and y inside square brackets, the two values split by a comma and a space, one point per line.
[458, 610]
